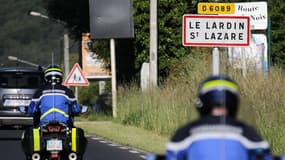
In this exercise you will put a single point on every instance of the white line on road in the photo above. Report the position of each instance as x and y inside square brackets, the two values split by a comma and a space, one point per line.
[142, 156]
[103, 141]
[113, 145]
[133, 151]
[123, 147]
[95, 138]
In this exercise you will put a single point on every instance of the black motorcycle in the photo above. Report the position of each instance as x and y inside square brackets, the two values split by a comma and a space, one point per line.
[55, 141]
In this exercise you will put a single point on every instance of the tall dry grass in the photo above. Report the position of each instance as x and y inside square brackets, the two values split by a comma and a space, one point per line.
[169, 106]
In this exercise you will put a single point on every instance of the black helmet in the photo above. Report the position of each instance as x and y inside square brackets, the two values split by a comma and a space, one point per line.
[218, 90]
[53, 74]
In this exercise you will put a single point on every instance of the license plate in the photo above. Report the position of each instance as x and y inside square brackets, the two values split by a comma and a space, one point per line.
[54, 145]
[15, 103]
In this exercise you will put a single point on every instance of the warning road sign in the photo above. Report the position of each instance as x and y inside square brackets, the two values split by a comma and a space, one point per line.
[76, 77]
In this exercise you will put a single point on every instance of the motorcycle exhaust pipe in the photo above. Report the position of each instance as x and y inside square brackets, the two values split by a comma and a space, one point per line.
[72, 156]
[36, 156]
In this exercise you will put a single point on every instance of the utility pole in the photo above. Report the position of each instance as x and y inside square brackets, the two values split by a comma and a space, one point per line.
[153, 44]
[66, 52]
[114, 78]
[65, 38]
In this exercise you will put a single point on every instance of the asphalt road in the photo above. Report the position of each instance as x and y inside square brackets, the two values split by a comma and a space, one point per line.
[97, 149]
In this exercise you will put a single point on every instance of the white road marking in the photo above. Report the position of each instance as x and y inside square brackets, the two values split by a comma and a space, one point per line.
[113, 145]
[103, 141]
[142, 156]
[123, 147]
[133, 151]
[96, 138]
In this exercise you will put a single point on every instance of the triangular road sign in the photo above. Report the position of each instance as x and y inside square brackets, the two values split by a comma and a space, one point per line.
[76, 77]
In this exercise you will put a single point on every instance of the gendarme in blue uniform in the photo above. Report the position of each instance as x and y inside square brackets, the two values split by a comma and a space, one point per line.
[216, 138]
[55, 103]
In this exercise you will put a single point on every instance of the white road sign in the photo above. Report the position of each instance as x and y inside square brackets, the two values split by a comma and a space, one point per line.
[213, 30]
[76, 77]
[257, 11]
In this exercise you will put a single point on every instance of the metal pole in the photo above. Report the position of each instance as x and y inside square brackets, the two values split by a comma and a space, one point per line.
[153, 43]
[114, 86]
[268, 45]
[216, 61]
[243, 62]
[66, 52]
[65, 37]
[76, 93]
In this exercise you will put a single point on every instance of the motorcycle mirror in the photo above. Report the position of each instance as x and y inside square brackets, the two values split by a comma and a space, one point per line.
[22, 109]
[84, 109]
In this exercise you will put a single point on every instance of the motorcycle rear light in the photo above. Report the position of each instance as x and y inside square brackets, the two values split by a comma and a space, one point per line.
[54, 155]
[54, 128]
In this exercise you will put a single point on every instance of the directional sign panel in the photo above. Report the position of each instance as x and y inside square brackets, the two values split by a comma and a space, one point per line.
[76, 77]
[212, 30]
[257, 11]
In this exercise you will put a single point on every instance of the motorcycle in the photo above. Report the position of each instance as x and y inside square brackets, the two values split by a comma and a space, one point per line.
[56, 141]
[55, 138]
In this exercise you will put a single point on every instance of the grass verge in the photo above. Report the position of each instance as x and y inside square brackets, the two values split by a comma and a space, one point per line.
[127, 135]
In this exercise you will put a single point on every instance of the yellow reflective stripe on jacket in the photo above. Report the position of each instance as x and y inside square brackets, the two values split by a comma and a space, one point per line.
[73, 139]
[54, 110]
[220, 83]
[36, 135]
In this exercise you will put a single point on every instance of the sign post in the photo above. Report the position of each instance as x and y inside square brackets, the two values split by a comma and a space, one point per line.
[215, 31]
[110, 19]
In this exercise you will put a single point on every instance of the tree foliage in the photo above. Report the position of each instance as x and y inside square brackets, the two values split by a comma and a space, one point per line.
[26, 37]
[277, 16]
[170, 13]
[74, 13]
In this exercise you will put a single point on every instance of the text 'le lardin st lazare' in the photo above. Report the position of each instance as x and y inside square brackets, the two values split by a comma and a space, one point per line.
[214, 30]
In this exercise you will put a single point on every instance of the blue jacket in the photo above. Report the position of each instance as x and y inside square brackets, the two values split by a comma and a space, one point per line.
[217, 138]
[54, 103]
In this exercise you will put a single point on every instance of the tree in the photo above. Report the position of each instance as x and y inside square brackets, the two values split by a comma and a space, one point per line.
[170, 13]
[170, 47]
[74, 13]
[277, 10]
[26, 37]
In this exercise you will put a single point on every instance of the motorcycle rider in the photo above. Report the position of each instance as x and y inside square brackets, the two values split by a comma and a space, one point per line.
[217, 134]
[54, 102]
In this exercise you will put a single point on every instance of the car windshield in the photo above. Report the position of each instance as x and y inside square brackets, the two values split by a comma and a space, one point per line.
[20, 80]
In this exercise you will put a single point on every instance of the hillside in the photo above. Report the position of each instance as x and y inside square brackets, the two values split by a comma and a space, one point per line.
[30, 38]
